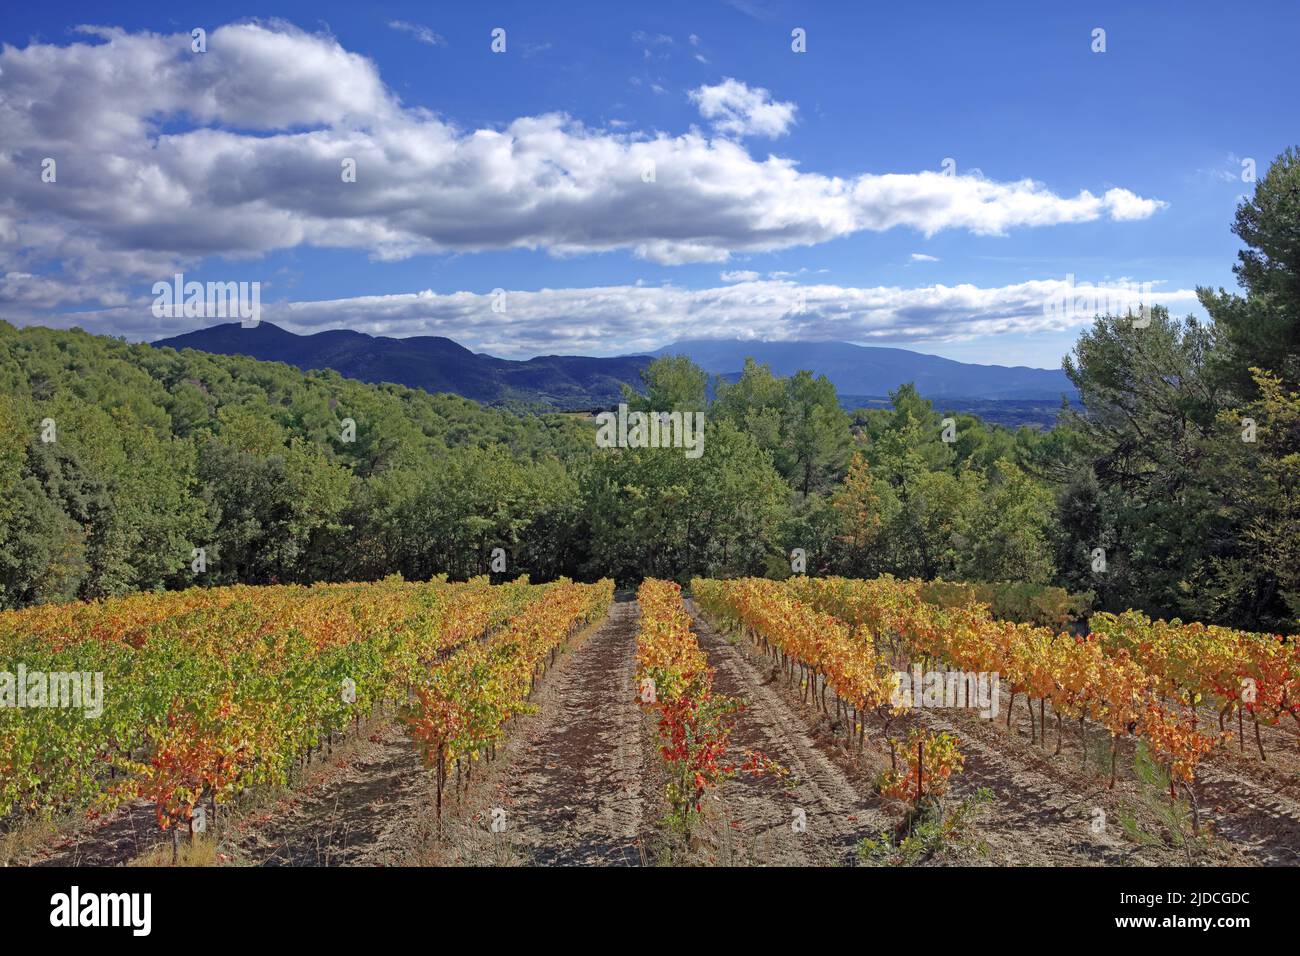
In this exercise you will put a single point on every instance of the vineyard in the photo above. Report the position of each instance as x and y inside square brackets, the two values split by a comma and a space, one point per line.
[823, 721]
[1131, 676]
[211, 693]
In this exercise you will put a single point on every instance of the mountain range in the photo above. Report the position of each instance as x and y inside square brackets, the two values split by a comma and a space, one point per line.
[428, 362]
[571, 382]
[875, 371]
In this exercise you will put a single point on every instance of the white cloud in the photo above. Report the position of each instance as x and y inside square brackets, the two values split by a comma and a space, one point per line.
[1124, 205]
[735, 109]
[419, 31]
[739, 275]
[922, 257]
[632, 318]
[166, 158]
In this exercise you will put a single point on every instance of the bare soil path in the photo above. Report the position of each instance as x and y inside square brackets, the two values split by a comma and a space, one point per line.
[574, 791]
[111, 841]
[371, 804]
[759, 816]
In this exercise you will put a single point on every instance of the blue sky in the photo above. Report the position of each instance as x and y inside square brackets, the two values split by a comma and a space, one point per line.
[1132, 158]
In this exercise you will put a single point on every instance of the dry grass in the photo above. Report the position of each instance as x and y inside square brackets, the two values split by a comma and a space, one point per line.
[201, 851]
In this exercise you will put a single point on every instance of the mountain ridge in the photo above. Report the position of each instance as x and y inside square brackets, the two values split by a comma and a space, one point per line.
[878, 370]
[571, 382]
[429, 362]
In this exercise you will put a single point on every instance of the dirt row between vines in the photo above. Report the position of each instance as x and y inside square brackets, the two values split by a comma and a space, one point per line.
[577, 781]
[816, 817]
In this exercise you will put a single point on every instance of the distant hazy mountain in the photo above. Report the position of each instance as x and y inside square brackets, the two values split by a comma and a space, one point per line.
[868, 370]
[432, 363]
[438, 364]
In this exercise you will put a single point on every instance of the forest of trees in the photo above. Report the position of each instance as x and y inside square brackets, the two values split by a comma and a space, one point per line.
[1183, 467]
